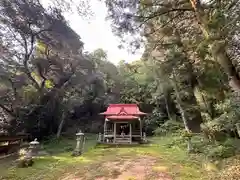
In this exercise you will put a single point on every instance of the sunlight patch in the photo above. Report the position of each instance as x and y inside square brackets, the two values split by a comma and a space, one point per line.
[71, 159]
[210, 167]
[160, 168]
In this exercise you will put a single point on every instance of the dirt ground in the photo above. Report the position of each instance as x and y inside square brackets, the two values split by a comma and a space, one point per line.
[124, 168]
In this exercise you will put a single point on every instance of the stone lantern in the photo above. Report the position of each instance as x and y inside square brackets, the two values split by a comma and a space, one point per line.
[80, 144]
[34, 147]
[27, 159]
[144, 137]
[99, 137]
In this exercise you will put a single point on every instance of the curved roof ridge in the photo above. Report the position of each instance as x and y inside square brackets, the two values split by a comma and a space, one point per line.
[123, 109]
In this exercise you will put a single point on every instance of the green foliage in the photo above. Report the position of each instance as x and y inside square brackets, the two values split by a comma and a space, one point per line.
[176, 141]
[220, 127]
[48, 75]
[66, 84]
[174, 46]
[212, 150]
[215, 150]
[136, 81]
[169, 127]
[219, 151]
[49, 84]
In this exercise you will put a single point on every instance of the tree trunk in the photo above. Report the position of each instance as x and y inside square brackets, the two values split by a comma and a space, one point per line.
[166, 98]
[220, 55]
[218, 45]
[202, 101]
[176, 89]
[188, 107]
[188, 128]
[61, 125]
[167, 108]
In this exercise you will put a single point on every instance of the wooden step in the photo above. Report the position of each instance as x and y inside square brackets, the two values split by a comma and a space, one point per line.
[123, 140]
[123, 143]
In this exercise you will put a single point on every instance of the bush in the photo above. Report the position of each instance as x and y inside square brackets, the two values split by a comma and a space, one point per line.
[212, 150]
[199, 143]
[219, 152]
[176, 141]
[216, 150]
[169, 126]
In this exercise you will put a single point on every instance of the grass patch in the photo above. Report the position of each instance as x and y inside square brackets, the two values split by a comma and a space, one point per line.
[171, 160]
[50, 167]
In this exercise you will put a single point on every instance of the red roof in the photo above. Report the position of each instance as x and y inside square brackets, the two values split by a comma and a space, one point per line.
[123, 111]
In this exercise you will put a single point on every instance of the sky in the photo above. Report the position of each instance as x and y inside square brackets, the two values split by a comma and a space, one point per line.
[96, 33]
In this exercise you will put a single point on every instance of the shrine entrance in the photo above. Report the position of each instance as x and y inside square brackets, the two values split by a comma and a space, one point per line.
[123, 129]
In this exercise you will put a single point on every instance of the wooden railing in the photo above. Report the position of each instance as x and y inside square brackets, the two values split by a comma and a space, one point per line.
[9, 144]
[136, 132]
[109, 132]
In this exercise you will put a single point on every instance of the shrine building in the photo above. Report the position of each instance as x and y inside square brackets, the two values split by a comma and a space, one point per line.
[123, 124]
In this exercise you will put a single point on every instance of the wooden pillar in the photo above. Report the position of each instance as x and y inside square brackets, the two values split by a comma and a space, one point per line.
[114, 132]
[130, 127]
[104, 129]
[140, 122]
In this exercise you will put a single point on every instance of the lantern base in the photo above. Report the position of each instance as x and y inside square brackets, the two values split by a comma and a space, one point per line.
[24, 162]
[76, 153]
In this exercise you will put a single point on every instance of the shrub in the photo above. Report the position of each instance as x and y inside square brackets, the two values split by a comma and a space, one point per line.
[169, 126]
[219, 151]
[176, 141]
[199, 143]
[212, 150]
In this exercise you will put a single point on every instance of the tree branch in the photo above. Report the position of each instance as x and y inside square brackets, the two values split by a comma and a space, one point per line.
[7, 110]
[26, 59]
[163, 12]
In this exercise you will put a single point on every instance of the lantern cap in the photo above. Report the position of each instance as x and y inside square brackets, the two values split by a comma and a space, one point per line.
[80, 133]
[35, 142]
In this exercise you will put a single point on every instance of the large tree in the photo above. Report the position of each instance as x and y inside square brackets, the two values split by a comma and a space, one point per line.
[214, 22]
[42, 63]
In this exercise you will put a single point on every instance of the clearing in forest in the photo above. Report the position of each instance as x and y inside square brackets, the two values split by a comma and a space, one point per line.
[153, 161]
[123, 168]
